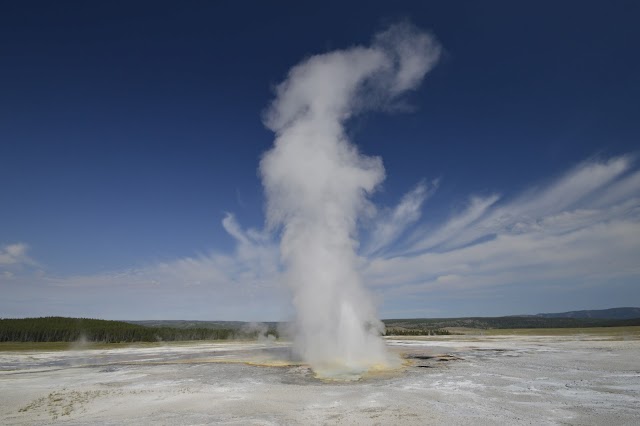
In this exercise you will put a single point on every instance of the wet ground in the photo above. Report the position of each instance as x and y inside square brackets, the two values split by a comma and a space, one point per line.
[444, 380]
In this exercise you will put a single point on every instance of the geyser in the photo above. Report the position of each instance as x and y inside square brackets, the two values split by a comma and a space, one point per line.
[317, 183]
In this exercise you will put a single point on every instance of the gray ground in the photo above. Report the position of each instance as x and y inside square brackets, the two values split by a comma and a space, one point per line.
[446, 380]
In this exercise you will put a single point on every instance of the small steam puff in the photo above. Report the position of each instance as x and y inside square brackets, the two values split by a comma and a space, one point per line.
[317, 183]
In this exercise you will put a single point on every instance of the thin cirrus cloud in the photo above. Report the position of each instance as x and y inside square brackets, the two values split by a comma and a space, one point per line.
[15, 254]
[579, 231]
[391, 224]
[582, 229]
[576, 194]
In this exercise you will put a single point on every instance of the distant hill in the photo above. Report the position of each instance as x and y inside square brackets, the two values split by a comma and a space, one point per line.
[597, 318]
[528, 321]
[613, 313]
[427, 325]
[616, 317]
[56, 329]
[188, 324]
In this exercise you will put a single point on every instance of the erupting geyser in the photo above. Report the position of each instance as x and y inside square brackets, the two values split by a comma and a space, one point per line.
[317, 184]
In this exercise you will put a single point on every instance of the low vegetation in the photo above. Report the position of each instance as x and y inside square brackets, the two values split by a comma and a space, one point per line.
[511, 322]
[61, 329]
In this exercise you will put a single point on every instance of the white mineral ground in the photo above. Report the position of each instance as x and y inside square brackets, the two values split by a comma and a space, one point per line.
[453, 380]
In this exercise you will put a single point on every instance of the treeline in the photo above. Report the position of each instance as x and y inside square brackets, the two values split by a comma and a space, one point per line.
[241, 329]
[506, 322]
[61, 329]
[230, 325]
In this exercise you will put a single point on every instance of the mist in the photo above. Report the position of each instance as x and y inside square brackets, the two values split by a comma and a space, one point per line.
[317, 185]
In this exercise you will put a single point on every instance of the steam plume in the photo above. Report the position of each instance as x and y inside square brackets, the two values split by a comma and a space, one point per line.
[317, 184]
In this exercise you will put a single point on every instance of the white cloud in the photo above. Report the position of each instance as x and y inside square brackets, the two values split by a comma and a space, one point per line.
[15, 254]
[623, 190]
[579, 232]
[390, 225]
[427, 238]
[239, 285]
[582, 229]
[577, 189]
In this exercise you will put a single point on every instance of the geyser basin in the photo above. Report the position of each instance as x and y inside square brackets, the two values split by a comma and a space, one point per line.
[509, 380]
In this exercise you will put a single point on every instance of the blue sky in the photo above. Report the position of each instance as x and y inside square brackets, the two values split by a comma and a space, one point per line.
[131, 132]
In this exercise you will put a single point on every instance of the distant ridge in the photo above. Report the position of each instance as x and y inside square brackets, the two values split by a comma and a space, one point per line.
[188, 324]
[613, 313]
[615, 317]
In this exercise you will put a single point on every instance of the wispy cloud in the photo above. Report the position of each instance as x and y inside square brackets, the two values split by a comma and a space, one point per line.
[391, 224]
[454, 227]
[14, 255]
[579, 231]
[243, 284]
[579, 189]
